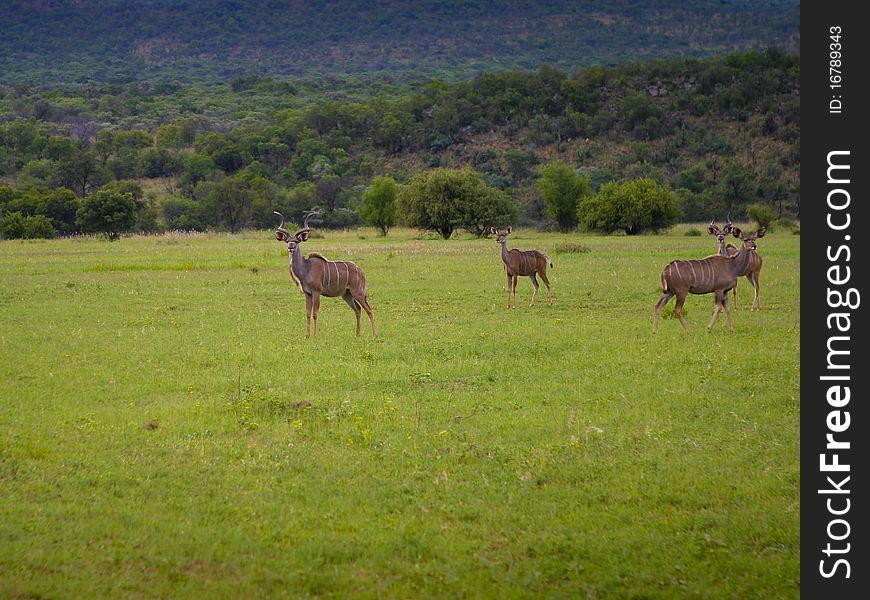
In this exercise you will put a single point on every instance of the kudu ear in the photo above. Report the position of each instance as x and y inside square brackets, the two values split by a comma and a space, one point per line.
[735, 231]
[759, 233]
[493, 231]
[281, 236]
[509, 229]
[712, 229]
[303, 237]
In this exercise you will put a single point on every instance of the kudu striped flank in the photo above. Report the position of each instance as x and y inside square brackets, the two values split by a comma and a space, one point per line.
[753, 267]
[316, 276]
[519, 263]
[715, 274]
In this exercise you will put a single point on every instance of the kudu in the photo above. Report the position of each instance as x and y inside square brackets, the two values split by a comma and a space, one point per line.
[316, 276]
[522, 263]
[753, 267]
[717, 274]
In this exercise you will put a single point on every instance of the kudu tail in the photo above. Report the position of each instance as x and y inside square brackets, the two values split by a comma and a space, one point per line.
[549, 261]
[664, 278]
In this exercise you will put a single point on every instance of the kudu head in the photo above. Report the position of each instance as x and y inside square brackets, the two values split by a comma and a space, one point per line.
[501, 236]
[748, 239]
[720, 234]
[282, 235]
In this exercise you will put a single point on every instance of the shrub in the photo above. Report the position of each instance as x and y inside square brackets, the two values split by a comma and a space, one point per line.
[107, 211]
[572, 248]
[443, 200]
[379, 204]
[562, 188]
[38, 227]
[15, 226]
[633, 207]
[761, 214]
[182, 213]
[12, 226]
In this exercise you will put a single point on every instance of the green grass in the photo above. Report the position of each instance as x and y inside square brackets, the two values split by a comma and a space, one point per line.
[469, 451]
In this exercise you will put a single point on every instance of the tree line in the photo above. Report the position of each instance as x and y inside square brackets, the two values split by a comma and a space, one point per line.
[721, 134]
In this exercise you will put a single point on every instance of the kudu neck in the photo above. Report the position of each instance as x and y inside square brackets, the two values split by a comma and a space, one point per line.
[504, 251]
[298, 262]
[740, 260]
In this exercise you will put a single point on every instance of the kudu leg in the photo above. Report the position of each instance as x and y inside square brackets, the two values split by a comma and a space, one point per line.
[348, 297]
[308, 306]
[510, 285]
[756, 303]
[546, 281]
[727, 311]
[721, 303]
[678, 311]
[659, 306]
[364, 302]
[734, 295]
[535, 290]
[315, 308]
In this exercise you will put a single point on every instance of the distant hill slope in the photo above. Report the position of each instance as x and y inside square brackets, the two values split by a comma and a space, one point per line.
[67, 41]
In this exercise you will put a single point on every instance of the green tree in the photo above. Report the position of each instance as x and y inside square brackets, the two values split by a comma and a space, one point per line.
[641, 114]
[298, 199]
[761, 214]
[197, 167]
[378, 207]
[562, 188]
[107, 211]
[633, 207]
[737, 184]
[182, 214]
[82, 173]
[12, 225]
[38, 227]
[520, 163]
[169, 136]
[61, 206]
[443, 200]
[227, 203]
[158, 162]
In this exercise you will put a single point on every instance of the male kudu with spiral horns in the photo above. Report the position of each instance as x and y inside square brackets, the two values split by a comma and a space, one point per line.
[316, 276]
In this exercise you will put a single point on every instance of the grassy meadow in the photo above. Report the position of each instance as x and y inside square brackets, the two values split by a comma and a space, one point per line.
[167, 431]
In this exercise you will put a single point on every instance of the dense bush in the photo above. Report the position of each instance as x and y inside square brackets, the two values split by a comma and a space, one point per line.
[378, 207]
[107, 211]
[444, 200]
[633, 207]
[16, 226]
[762, 214]
[562, 188]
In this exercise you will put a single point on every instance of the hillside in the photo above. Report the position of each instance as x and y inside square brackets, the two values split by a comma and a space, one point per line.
[722, 132]
[69, 41]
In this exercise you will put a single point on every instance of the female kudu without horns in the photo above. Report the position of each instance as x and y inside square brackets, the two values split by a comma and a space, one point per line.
[522, 263]
[316, 276]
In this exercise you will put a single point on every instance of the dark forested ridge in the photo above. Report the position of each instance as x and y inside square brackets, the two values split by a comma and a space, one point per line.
[116, 41]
